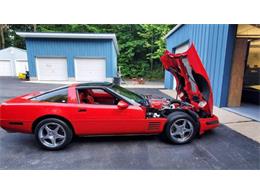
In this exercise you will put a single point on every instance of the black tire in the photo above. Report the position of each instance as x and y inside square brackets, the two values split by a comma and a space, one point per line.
[63, 130]
[171, 133]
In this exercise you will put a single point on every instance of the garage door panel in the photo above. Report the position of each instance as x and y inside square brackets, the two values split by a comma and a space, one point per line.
[90, 69]
[21, 66]
[52, 69]
[6, 68]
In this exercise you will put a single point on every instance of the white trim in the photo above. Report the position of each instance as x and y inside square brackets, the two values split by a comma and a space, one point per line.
[20, 60]
[172, 31]
[71, 36]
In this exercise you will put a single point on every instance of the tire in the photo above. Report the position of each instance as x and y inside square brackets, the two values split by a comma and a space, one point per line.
[53, 134]
[180, 128]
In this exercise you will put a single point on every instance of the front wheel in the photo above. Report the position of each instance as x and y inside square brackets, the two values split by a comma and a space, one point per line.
[180, 128]
[53, 134]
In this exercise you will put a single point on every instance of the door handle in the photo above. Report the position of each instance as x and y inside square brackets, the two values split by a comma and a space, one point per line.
[82, 110]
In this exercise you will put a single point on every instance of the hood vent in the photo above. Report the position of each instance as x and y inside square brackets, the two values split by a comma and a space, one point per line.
[154, 126]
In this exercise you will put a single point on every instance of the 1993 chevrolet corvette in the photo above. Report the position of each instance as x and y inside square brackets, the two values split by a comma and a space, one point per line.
[85, 109]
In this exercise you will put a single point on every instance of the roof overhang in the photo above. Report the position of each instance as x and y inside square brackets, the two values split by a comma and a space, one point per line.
[71, 36]
[173, 30]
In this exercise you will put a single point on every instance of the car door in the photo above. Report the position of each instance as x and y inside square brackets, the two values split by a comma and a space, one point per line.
[103, 118]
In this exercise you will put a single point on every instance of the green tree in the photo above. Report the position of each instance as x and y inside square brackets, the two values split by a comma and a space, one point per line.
[155, 44]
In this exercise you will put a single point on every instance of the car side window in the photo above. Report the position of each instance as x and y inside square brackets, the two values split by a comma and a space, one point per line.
[58, 96]
[96, 96]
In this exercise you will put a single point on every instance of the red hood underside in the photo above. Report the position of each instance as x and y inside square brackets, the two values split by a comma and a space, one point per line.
[192, 82]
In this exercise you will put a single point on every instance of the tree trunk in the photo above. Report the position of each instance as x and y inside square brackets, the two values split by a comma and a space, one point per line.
[2, 36]
[34, 27]
[152, 49]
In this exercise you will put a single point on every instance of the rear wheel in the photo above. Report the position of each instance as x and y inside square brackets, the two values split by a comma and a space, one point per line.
[180, 128]
[53, 134]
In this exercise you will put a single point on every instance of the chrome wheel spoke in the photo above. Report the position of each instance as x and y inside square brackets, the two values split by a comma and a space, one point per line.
[44, 137]
[59, 136]
[174, 133]
[53, 140]
[56, 129]
[187, 130]
[47, 129]
[176, 126]
[184, 123]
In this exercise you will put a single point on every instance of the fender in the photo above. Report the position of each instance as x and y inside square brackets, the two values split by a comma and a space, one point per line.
[193, 114]
[51, 116]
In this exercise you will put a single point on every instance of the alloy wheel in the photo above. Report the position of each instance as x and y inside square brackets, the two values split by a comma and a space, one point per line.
[181, 130]
[52, 135]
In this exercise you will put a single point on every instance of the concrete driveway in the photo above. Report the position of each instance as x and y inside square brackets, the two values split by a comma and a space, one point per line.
[221, 148]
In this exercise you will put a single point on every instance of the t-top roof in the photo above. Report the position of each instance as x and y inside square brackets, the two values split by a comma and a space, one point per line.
[71, 36]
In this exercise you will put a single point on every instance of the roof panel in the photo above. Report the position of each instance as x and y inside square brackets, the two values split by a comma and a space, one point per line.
[71, 36]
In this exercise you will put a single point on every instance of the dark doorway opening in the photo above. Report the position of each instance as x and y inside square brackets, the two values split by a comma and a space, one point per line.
[244, 89]
[251, 83]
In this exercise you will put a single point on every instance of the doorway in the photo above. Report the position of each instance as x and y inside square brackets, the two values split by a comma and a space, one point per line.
[244, 91]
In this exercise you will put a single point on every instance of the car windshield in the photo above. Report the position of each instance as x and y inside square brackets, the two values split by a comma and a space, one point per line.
[129, 95]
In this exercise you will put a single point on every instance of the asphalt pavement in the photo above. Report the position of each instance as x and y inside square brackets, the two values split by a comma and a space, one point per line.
[221, 148]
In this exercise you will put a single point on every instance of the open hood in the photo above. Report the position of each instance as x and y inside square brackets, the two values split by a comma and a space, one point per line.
[192, 82]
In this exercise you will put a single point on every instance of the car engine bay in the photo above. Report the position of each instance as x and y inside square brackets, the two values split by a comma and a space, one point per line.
[161, 107]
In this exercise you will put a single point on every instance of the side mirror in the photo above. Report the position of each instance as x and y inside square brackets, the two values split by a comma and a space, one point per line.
[122, 104]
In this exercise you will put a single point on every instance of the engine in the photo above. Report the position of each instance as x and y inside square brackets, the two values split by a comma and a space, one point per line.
[162, 107]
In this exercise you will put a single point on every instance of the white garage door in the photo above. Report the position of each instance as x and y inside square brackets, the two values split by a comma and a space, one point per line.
[180, 49]
[6, 68]
[21, 66]
[52, 69]
[90, 69]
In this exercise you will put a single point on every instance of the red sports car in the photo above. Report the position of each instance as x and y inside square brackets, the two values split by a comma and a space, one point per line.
[55, 116]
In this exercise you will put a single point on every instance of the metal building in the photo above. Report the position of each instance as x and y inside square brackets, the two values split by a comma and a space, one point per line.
[226, 52]
[71, 56]
[13, 61]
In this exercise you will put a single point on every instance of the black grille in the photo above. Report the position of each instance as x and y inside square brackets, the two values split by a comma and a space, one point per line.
[154, 126]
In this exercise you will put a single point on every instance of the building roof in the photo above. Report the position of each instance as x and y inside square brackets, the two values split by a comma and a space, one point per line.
[13, 53]
[173, 30]
[71, 36]
[12, 48]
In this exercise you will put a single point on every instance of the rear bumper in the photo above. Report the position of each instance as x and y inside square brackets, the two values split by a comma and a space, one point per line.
[208, 123]
[15, 126]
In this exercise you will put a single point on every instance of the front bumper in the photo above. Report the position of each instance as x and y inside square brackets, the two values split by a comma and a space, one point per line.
[208, 123]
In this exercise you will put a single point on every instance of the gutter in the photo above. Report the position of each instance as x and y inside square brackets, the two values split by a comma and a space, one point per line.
[172, 31]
